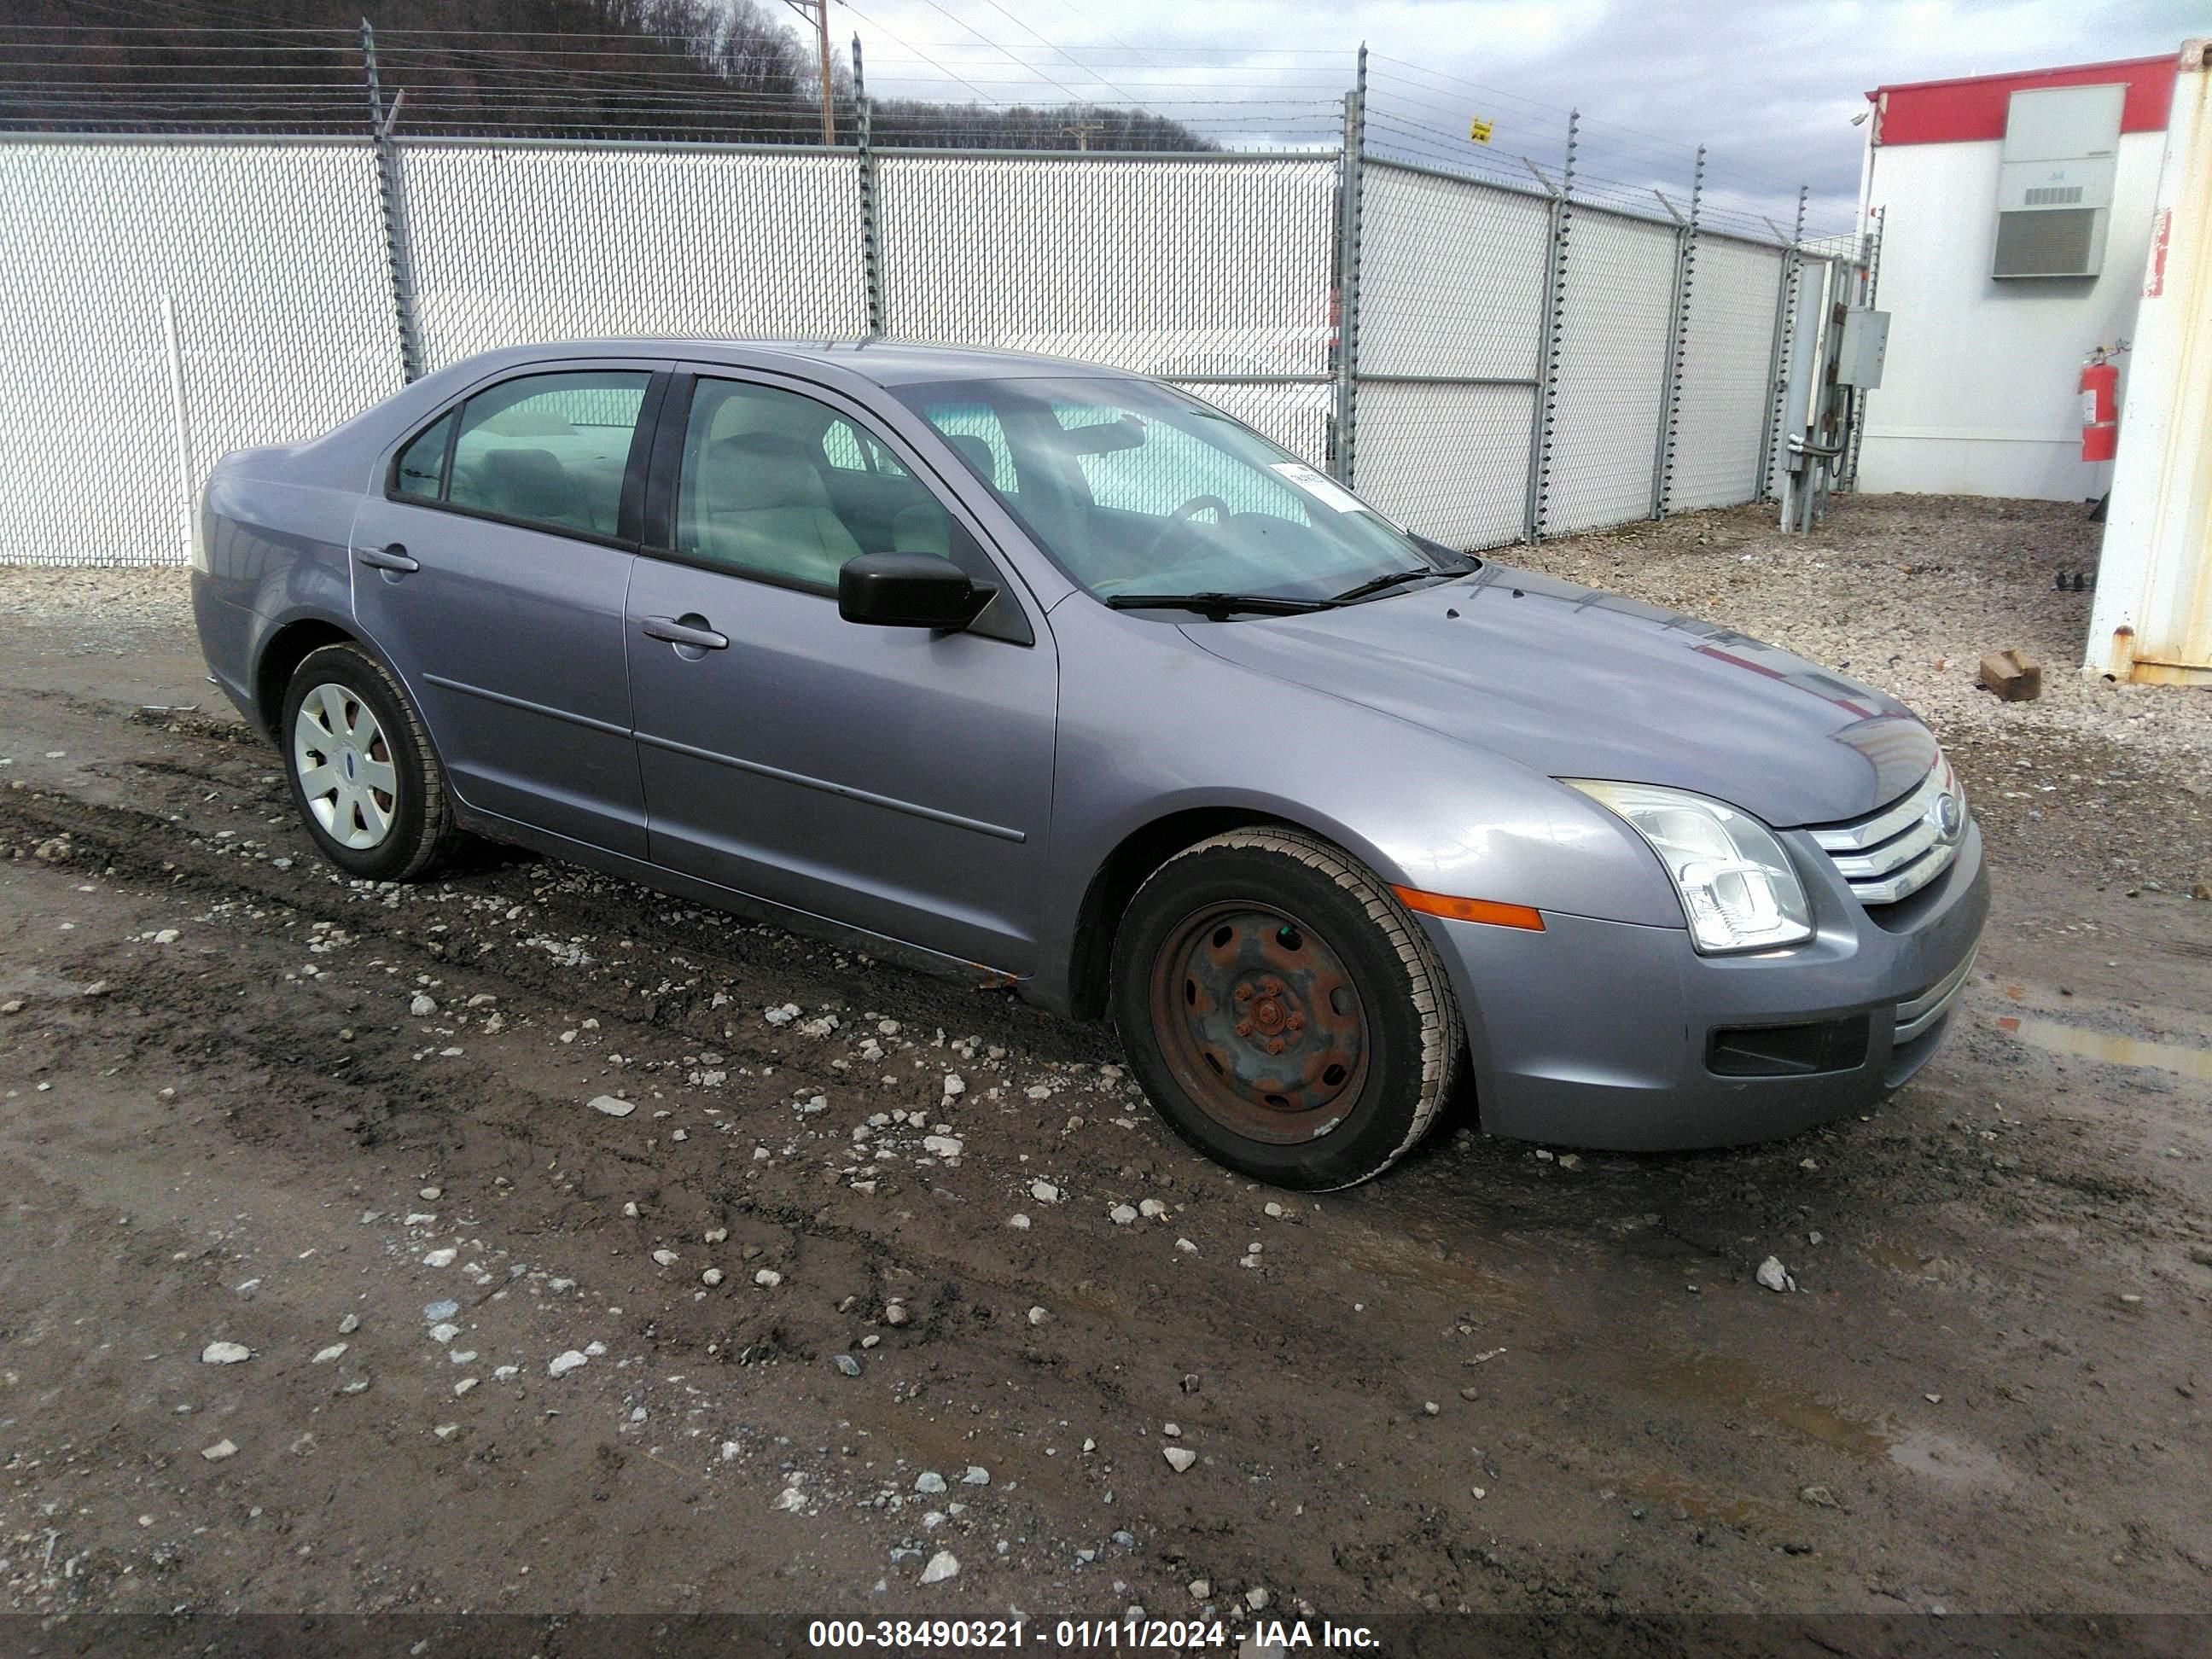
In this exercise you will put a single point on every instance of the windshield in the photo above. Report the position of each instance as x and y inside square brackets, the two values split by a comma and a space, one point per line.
[1136, 490]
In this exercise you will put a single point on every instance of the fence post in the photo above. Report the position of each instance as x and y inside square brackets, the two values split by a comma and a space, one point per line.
[387, 209]
[872, 256]
[1538, 496]
[182, 412]
[1778, 356]
[1670, 388]
[1347, 276]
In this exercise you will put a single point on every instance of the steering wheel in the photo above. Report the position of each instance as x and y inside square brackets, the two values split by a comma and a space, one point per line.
[1186, 515]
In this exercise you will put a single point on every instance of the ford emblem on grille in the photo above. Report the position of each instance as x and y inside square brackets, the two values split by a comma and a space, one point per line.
[1948, 817]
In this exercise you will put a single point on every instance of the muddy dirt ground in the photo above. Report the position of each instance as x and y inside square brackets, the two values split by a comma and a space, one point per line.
[347, 1128]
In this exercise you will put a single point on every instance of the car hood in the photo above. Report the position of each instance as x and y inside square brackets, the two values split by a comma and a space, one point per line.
[1576, 682]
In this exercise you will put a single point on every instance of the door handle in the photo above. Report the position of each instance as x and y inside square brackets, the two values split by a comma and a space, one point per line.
[700, 638]
[394, 558]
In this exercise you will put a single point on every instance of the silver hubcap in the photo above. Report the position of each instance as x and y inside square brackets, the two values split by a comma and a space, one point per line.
[345, 767]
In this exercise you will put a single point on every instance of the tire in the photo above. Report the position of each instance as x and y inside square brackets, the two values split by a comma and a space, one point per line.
[364, 778]
[1265, 936]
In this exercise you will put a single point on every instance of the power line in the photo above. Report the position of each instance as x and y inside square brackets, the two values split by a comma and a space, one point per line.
[917, 51]
[1049, 45]
[995, 47]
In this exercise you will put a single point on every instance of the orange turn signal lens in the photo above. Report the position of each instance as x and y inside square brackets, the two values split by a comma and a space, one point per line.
[1465, 909]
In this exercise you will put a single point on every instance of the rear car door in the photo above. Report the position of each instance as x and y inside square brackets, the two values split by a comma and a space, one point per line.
[492, 568]
[894, 780]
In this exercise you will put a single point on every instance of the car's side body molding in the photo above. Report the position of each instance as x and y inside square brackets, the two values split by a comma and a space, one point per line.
[570, 715]
[843, 791]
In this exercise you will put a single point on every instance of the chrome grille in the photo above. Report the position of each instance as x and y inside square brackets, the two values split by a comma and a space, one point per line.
[1901, 848]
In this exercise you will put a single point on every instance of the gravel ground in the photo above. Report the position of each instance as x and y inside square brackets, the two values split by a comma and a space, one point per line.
[506, 1350]
[130, 604]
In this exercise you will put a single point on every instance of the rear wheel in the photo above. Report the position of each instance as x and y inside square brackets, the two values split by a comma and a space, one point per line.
[362, 774]
[1284, 1012]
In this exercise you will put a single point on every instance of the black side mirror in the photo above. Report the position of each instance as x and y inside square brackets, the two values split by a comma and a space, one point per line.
[909, 590]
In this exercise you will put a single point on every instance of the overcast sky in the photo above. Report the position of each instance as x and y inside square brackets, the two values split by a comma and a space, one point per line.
[1771, 88]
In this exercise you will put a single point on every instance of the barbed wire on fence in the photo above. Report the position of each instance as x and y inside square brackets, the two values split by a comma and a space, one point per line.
[978, 86]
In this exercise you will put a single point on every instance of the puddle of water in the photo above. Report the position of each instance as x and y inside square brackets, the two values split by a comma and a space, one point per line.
[1700, 1503]
[1711, 1379]
[2058, 1038]
[1417, 1256]
[1897, 1259]
[1951, 1462]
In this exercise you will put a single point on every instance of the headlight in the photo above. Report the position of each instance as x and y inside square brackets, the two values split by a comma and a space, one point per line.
[1737, 887]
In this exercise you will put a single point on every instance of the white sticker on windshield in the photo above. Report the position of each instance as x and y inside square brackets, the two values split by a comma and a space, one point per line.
[1319, 486]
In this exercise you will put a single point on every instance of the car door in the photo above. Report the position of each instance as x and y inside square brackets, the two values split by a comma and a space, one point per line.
[894, 780]
[492, 568]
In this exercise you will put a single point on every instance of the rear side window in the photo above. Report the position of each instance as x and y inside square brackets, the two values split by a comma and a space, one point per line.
[548, 449]
[421, 470]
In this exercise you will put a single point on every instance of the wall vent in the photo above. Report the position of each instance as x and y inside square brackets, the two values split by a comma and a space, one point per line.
[2055, 181]
[2047, 244]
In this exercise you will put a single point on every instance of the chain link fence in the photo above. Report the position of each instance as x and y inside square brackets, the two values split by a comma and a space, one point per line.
[1725, 380]
[564, 239]
[1210, 271]
[265, 256]
[1487, 362]
[1615, 332]
[1451, 321]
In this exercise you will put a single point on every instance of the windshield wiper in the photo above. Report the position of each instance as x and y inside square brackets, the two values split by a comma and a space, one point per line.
[1389, 579]
[1217, 605]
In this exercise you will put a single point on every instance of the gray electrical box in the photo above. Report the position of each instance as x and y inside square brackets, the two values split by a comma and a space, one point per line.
[1859, 353]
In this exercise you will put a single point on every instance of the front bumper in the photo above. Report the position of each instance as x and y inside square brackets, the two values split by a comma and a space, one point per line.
[1601, 1034]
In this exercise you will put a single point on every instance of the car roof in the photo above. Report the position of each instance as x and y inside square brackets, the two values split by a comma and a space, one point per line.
[883, 362]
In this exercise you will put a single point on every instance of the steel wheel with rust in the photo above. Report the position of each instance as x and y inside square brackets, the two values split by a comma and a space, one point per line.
[1284, 1012]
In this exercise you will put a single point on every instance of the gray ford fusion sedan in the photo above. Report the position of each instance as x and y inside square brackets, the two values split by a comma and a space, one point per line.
[1013, 666]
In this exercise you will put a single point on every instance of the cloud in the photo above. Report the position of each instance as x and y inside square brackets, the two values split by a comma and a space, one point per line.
[1770, 89]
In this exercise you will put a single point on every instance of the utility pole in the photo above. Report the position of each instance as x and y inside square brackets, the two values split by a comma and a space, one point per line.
[819, 11]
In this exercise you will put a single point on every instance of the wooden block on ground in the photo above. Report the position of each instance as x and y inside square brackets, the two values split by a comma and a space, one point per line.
[2012, 675]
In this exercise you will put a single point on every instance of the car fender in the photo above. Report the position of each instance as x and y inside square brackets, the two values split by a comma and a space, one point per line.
[1420, 809]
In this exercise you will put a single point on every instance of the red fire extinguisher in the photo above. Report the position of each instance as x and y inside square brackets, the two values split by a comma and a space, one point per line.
[2101, 407]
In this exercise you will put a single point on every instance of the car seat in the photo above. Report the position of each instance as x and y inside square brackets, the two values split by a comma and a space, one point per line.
[761, 505]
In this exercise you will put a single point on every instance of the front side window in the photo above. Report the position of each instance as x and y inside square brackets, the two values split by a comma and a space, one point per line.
[776, 485]
[548, 449]
[1134, 489]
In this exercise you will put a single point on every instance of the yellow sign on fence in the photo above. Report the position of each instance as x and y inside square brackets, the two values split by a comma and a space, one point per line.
[1478, 130]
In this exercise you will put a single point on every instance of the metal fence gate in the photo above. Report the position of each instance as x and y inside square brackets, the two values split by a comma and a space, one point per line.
[1486, 363]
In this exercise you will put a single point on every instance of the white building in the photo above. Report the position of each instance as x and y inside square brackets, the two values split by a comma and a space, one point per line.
[2015, 212]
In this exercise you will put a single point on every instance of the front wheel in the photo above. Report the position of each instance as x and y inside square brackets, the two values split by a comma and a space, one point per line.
[363, 776]
[1282, 1010]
